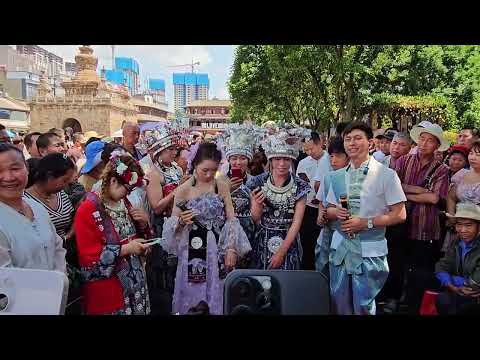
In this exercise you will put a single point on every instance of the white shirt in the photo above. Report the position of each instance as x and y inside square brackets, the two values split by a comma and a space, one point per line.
[379, 155]
[386, 160]
[311, 167]
[30, 244]
[381, 188]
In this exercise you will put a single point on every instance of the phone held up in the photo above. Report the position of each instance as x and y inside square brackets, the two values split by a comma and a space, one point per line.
[236, 173]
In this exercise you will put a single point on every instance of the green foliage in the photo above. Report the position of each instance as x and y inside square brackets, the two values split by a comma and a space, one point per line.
[319, 85]
[451, 136]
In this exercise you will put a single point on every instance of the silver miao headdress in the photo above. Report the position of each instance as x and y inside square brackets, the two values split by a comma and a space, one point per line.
[286, 142]
[239, 139]
[159, 139]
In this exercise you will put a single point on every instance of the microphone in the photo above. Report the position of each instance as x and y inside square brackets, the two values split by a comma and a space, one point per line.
[344, 204]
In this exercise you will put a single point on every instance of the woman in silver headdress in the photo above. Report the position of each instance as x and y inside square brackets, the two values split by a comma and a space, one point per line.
[237, 143]
[162, 149]
[278, 204]
[160, 167]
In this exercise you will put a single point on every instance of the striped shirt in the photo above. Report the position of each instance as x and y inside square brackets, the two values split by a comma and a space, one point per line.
[61, 216]
[423, 219]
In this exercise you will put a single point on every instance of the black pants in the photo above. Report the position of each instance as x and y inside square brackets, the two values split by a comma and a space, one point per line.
[449, 303]
[397, 249]
[308, 237]
[421, 258]
[160, 270]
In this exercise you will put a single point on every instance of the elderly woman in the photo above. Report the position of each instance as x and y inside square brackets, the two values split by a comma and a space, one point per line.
[278, 204]
[28, 238]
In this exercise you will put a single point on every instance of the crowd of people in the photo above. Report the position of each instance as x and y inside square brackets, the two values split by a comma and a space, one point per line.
[152, 222]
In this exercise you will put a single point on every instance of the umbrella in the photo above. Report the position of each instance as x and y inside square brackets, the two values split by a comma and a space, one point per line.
[11, 133]
[151, 125]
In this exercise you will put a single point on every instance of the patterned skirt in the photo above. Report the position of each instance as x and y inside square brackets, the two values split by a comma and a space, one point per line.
[263, 250]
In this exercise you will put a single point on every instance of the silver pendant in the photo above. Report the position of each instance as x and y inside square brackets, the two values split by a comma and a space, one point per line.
[196, 243]
[274, 244]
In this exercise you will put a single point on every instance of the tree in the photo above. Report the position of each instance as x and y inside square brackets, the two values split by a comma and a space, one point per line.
[319, 85]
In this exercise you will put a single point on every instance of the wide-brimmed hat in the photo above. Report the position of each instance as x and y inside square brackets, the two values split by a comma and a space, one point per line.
[466, 211]
[93, 154]
[432, 129]
[89, 134]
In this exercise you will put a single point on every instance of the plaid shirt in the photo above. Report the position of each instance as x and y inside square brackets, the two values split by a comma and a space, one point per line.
[423, 219]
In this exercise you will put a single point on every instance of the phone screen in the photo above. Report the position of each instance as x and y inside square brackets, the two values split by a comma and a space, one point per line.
[237, 173]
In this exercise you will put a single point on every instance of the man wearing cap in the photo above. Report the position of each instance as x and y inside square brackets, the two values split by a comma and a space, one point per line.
[93, 167]
[425, 182]
[385, 140]
[459, 271]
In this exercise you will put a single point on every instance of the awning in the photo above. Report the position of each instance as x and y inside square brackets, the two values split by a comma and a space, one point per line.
[8, 104]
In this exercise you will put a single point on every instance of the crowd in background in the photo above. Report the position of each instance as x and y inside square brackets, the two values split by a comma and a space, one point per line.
[151, 223]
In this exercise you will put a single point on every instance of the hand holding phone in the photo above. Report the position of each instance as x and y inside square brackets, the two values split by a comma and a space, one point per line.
[237, 173]
[258, 197]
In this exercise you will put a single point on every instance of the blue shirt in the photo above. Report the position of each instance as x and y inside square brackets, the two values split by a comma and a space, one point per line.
[458, 281]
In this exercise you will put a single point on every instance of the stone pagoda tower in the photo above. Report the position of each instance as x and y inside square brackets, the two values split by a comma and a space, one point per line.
[89, 103]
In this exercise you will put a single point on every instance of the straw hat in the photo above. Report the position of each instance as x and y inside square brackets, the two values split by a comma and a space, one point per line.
[466, 211]
[90, 134]
[432, 129]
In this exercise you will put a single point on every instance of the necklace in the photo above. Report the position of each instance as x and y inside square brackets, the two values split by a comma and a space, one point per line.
[280, 198]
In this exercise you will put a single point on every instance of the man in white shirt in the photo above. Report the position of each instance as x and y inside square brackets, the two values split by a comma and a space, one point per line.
[374, 199]
[307, 169]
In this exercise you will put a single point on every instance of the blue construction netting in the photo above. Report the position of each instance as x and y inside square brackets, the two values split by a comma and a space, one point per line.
[114, 76]
[156, 84]
[127, 64]
[190, 79]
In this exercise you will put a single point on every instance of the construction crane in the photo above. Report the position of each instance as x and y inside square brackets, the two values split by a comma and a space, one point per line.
[185, 65]
[113, 57]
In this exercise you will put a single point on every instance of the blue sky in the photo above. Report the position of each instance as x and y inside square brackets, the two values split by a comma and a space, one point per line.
[154, 61]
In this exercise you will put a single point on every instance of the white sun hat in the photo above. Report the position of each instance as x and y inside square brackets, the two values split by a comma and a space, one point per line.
[432, 129]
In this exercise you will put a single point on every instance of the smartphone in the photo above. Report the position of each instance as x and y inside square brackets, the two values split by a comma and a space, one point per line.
[237, 173]
[304, 177]
[153, 241]
[182, 205]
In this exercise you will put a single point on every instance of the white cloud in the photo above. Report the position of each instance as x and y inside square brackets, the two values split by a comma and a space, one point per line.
[153, 59]
[155, 62]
